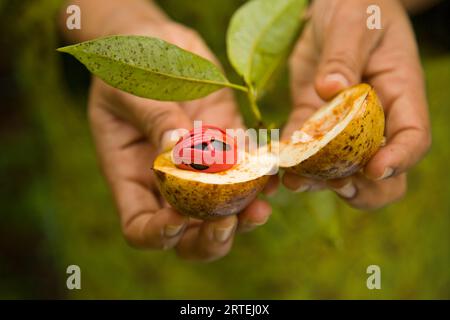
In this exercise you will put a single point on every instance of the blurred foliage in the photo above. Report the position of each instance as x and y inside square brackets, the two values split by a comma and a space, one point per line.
[57, 211]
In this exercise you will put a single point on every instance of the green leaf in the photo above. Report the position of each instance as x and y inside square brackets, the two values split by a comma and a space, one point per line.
[150, 68]
[260, 37]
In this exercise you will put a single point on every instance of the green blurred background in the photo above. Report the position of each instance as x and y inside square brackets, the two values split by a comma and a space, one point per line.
[56, 209]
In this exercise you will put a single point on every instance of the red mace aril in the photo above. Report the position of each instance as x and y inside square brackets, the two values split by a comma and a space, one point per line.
[207, 149]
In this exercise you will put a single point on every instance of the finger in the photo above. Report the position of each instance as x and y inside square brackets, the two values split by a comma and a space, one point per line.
[408, 140]
[272, 185]
[208, 241]
[302, 65]
[161, 122]
[255, 215]
[301, 184]
[154, 119]
[344, 187]
[347, 44]
[377, 194]
[366, 194]
[159, 229]
[396, 74]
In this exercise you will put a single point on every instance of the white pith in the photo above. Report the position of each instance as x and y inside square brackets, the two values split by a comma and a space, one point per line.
[302, 146]
[250, 168]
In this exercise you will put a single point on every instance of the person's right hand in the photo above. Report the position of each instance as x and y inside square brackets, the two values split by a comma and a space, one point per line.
[130, 131]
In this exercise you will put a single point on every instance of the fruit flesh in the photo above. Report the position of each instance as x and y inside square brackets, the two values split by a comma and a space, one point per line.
[339, 139]
[211, 195]
[316, 129]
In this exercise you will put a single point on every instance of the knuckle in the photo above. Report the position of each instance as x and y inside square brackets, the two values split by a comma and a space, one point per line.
[144, 242]
[344, 62]
[134, 235]
[153, 118]
[131, 238]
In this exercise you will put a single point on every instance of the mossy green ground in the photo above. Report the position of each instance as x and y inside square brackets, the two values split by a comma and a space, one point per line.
[57, 211]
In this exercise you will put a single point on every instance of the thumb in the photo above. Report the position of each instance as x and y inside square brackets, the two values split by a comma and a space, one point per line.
[163, 123]
[347, 46]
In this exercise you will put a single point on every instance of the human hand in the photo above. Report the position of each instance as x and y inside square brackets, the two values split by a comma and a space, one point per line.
[130, 131]
[337, 50]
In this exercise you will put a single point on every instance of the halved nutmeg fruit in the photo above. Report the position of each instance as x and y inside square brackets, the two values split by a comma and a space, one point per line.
[209, 195]
[339, 139]
[206, 176]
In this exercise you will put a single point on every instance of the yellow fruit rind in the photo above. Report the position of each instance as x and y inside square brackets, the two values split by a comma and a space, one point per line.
[350, 150]
[208, 201]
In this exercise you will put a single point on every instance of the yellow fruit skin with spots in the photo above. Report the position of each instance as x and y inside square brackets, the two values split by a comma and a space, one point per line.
[351, 149]
[207, 201]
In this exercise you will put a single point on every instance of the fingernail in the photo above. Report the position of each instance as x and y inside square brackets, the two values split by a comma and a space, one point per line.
[172, 230]
[348, 191]
[169, 139]
[223, 234]
[388, 172]
[337, 78]
[303, 188]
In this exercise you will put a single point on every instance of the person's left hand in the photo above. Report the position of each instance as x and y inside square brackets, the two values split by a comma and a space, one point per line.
[337, 50]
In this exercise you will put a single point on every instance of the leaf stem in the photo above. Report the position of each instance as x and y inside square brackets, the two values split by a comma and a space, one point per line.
[251, 94]
[237, 87]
